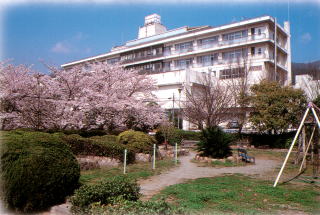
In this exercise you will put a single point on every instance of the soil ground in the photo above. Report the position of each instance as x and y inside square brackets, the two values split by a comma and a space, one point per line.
[189, 170]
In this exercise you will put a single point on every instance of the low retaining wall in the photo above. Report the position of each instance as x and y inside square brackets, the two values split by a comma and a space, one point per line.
[233, 158]
[94, 162]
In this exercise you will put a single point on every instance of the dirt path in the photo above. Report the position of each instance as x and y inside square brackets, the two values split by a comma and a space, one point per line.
[188, 170]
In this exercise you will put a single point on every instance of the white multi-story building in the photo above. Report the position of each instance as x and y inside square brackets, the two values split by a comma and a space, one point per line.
[175, 58]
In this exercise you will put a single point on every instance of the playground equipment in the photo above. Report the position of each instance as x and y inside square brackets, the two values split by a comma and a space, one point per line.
[302, 146]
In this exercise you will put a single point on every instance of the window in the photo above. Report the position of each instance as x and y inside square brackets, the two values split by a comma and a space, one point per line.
[148, 66]
[166, 66]
[235, 54]
[184, 47]
[253, 51]
[235, 35]
[252, 31]
[207, 60]
[259, 31]
[231, 73]
[208, 41]
[183, 63]
[159, 51]
[259, 51]
[112, 60]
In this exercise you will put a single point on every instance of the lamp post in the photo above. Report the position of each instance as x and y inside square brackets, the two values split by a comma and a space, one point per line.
[173, 109]
[179, 90]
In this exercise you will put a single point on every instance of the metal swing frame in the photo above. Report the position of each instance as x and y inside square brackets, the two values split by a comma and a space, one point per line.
[311, 107]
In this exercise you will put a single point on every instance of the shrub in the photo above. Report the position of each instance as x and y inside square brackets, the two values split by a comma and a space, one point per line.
[137, 207]
[137, 141]
[106, 192]
[37, 170]
[97, 147]
[215, 143]
[140, 147]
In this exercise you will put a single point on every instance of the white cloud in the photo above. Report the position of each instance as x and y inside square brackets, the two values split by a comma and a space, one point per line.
[60, 47]
[79, 36]
[306, 37]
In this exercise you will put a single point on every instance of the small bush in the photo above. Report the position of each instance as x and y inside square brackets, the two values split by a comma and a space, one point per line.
[37, 170]
[130, 137]
[137, 141]
[97, 146]
[106, 192]
[140, 147]
[215, 143]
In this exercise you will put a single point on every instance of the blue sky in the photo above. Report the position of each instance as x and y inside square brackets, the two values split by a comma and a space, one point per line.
[58, 33]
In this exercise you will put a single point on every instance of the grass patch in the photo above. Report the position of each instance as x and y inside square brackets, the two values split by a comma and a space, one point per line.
[138, 170]
[241, 195]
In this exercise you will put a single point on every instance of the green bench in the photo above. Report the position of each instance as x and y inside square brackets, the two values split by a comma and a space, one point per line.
[243, 154]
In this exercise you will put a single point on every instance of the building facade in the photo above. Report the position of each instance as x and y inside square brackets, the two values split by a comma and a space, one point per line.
[175, 58]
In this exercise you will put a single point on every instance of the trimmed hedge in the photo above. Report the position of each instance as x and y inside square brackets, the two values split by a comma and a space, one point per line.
[97, 146]
[37, 170]
[177, 136]
[189, 135]
[106, 192]
[139, 207]
[105, 138]
[271, 140]
[82, 133]
[137, 141]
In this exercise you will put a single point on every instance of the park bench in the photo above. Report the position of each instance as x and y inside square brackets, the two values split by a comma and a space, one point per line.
[243, 154]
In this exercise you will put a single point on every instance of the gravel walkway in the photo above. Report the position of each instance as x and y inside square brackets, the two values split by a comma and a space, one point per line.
[189, 170]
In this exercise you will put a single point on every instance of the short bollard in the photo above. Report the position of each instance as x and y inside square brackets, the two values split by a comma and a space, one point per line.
[176, 154]
[125, 162]
[154, 157]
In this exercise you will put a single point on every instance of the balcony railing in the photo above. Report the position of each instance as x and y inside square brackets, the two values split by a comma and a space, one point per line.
[147, 57]
[243, 39]
[179, 51]
[200, 47]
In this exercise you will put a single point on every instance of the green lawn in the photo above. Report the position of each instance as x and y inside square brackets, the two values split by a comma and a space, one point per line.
[136, 171]
[238, 194]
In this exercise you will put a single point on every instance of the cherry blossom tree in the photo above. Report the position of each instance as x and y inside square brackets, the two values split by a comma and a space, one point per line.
[104, 97]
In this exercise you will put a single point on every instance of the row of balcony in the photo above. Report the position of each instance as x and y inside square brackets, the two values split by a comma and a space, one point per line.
[199, 47]
[205, 64]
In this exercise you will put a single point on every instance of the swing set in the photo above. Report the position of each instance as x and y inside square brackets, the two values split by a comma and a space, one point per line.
[303, 147]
